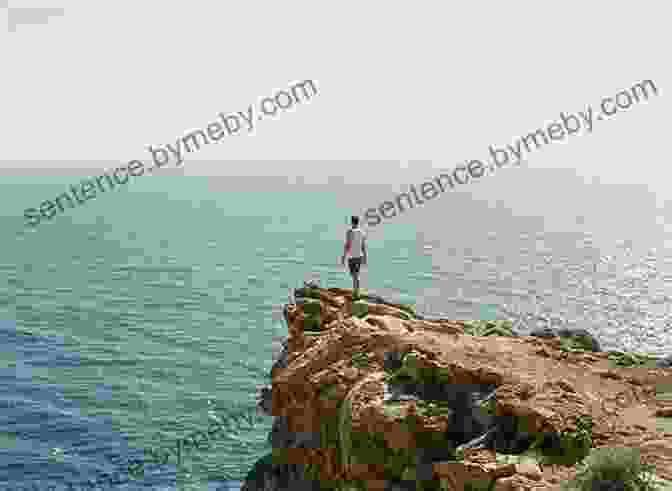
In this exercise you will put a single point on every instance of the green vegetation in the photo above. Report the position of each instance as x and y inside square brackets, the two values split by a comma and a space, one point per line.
[344, 431]
[330, 437]
[405, 315]
[312, 306]
[311, 292]
[489, 328]
[577, 343]
[363, 447]
[574, 446]
[407, 373]
[432, 439]
[429, 408]
[392, 409]
[410, 372]
[312, 310]
[477, 485]
[434, 485]
[525, 457]
[409, 309]
[611, 464]
[360, 360]
[625, 359]
[312, 324]
[353, 486]
[360, 309]
[328, 391]
[489, 406]
[664, 393]
[400, 464]
[618, 464]
[424, 408]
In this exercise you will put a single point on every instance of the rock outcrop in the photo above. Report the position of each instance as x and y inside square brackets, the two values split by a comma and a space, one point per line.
[366, 394]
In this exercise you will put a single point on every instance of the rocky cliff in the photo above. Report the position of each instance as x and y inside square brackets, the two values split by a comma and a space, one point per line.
[367, 394]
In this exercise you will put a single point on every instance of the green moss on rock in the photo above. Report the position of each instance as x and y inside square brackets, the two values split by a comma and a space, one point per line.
[311, 292]
[328, 391]
[489, 328]
[345, 431]
[407, 311]
[360, 360]
[433, 408]
[483, 484]
[360, 309]
[574, 446]
[625, 359]
[409, 473]
[312, 323]
[410, 372]
[577, 343]
[312, 306]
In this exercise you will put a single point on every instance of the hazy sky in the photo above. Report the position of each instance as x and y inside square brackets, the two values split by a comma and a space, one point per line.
[437, 81]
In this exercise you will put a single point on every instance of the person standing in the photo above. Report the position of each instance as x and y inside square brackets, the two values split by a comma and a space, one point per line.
[355, 246]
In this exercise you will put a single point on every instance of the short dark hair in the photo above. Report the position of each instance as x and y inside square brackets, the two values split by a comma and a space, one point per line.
[355, 220]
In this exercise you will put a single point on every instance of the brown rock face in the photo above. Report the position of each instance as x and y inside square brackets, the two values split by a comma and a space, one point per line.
[344, 379]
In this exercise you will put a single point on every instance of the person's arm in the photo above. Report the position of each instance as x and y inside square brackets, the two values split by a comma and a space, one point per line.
[364, 250]
[348, 245]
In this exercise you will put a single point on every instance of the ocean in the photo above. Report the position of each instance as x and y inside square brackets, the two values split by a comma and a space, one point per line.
[131, 320]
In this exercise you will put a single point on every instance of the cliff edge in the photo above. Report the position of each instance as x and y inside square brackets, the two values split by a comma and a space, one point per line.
[367, 394]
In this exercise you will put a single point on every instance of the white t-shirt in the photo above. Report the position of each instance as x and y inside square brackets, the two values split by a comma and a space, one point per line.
[357, 236]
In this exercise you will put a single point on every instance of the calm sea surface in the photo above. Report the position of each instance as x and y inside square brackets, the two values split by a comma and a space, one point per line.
[135, 318]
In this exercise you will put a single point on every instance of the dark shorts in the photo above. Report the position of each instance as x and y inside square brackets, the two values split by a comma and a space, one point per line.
[354, 263]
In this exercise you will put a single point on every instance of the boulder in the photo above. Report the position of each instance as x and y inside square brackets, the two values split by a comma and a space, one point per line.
[433, 402]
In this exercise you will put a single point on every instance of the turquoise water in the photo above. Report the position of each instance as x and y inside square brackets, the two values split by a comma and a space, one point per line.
[129, 321]
[165, 299]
